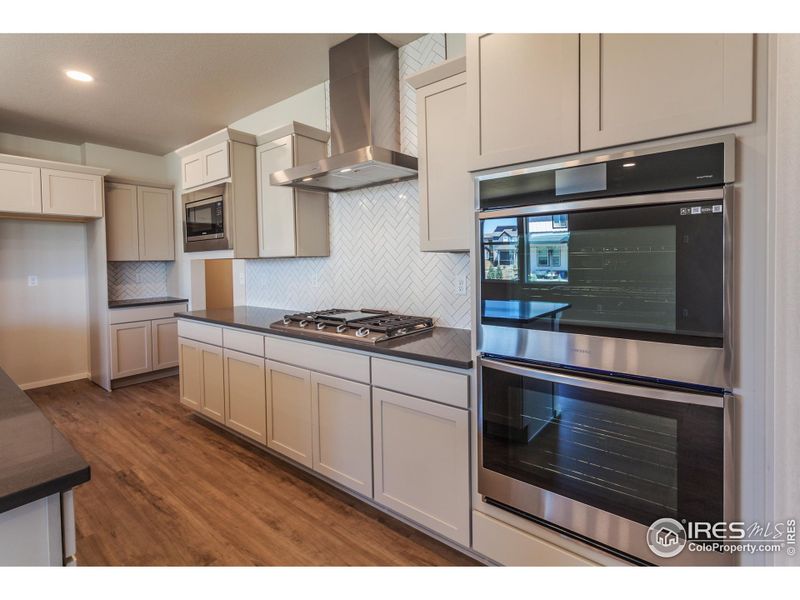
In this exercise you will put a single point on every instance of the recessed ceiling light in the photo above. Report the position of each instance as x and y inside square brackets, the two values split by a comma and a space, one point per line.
[79, 76]
[347, 170]
[626, 165]
[307, 178]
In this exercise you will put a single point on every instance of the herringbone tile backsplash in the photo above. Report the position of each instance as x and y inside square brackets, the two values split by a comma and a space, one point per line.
[129, 280]
[375, 260]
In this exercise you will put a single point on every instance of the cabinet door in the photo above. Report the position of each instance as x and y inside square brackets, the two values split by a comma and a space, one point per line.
[20, 189]
[71, 194]
[156, 225]
[164, 333]
[191, 373]
[523, 97]
[245, 395]
[122, 229]
[289, 411]
[421, 456]
[276, 207]
[213, 394]
[341, 415]
[446, 194]
[192, 171]
[639, 87]
[130, 349]
[216, 163]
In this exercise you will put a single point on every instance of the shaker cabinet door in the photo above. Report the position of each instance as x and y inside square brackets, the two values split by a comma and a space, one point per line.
[637, 87]
[421, 457]
[70, 194]
[122, 217]
[213, 382]
[523, 97]
[289, 411]
[165, 343]
[130, 349]
[190, 373]
[277, 234]
[245, 395]
[20, 189]
[156, 226]
[342, 432]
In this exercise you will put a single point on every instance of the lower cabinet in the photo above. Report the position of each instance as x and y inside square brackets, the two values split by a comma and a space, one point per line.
[289, 411]
[341, 415]
[245, 393]
[164, 333]
[202, 378]
[421, 457]
[131, 352]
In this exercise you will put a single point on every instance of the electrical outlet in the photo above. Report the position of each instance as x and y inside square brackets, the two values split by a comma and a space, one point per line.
[33, 280]
[461, 285]
[241, 278]
[137, 277]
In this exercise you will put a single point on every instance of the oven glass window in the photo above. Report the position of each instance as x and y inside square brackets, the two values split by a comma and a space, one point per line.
[638, 458]
[645, 272]
[501, 249]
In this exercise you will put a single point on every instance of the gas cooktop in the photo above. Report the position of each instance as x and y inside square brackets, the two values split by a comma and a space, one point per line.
[365, 325]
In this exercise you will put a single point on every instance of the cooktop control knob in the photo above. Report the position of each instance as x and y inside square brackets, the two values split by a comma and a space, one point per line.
[303, 323]
[320, 326]
[341, 328]
[362, 332]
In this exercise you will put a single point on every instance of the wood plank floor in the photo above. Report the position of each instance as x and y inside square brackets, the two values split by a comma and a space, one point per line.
[169, 489]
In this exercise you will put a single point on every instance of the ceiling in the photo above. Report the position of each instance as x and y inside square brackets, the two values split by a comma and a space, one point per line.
[152, 92]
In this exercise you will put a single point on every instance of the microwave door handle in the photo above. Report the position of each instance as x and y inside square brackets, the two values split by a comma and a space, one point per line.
[603, 385]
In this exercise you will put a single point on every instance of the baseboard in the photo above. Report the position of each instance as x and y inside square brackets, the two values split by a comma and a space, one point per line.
[45, 382]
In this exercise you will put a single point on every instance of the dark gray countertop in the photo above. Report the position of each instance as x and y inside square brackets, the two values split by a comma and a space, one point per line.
[442, 345]
[145, 301]
[36, 460]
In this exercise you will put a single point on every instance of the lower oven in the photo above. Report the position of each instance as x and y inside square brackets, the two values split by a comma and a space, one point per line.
[602, 459]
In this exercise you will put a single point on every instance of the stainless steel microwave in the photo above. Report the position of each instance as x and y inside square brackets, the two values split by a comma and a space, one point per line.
[620, 264]
[207, 219]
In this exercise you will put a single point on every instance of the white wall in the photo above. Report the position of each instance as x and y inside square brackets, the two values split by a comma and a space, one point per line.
[125, 163]
[43, 329]
[783, 350]
[35, 148]
[307, 107]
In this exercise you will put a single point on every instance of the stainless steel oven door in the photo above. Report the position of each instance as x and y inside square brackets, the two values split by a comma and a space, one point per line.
[603, 459]
[636, 285]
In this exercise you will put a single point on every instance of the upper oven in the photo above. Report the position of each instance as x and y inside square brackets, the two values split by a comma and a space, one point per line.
[621, 265]
[206, 220]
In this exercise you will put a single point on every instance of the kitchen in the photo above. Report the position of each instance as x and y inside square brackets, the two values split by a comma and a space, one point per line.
[434, 299]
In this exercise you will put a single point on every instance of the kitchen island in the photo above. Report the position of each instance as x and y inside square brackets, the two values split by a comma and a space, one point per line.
[38, 471]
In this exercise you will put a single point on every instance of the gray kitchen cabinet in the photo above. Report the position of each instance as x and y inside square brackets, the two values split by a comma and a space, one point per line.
[291, 222]
[164, 333]
[131, 351]
[341, 415]
[20, 189]
[139, 223]
[202, 378]
[421, 462]
[289, 411]
[72, 194]
[446, 193]
[245, 395]
[190, 373]
[206, 166]
[637, 87]
[523, 97]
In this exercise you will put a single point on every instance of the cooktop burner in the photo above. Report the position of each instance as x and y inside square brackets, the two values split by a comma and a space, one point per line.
[365, 325]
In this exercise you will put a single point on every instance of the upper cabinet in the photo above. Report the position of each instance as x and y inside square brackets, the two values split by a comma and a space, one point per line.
[50, 189]
[636, 87]
[206, 166]
[139, 222]
[523, 97]
[291, 222]
[445, 187]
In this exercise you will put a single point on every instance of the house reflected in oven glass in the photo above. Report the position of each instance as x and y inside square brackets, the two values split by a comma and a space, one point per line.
[501, 249]
[548, 248]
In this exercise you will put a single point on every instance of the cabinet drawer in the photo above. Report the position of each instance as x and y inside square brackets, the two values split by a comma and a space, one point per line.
[243, 341]
[434, 384]
[210, 334]
[511, 547]
[348, 365]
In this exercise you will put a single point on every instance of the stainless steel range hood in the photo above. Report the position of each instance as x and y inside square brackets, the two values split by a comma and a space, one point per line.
[365, 122]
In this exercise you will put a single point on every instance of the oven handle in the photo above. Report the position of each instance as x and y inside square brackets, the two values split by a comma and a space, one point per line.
[605, 386]
[615, 202]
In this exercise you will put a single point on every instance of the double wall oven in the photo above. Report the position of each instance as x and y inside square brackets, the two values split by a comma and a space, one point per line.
[605, 343]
